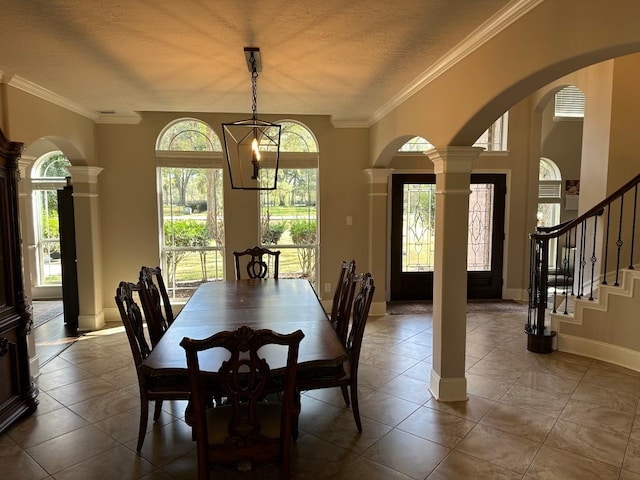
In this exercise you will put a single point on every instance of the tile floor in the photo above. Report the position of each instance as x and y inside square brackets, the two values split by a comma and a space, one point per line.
[529, 416]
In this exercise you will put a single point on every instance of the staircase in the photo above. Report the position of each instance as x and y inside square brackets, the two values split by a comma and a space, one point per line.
[584, 289]
[605, 328]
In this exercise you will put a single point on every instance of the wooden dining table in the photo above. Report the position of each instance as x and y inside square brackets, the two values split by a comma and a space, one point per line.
[282, 305]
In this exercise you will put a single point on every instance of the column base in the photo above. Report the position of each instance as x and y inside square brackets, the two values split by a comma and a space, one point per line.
[448, 389]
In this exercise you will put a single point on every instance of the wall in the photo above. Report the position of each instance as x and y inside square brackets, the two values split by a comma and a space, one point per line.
[129, 200]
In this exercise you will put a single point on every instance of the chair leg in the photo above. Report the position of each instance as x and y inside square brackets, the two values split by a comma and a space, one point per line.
[355, 407]
[345, 394]
[144, 414]
[157, 410]
[296, 414]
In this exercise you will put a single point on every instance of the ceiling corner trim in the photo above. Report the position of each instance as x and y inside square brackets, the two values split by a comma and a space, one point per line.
[347, 123]
[489, 29]
[40, 92]
[118, 119]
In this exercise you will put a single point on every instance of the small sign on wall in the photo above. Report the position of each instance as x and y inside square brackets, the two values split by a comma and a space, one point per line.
[571, 194]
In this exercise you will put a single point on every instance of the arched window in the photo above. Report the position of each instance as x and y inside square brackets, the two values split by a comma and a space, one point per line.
[549, 193]
[48, 175]
[416, 144]
[190, 204]
[494, 139]
[289, 215]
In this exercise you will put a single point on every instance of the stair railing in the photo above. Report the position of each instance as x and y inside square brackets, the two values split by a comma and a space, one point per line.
[575, 257]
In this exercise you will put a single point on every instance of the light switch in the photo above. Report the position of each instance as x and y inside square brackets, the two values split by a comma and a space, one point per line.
[349, 220]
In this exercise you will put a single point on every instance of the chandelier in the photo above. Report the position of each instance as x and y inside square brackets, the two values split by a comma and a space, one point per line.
[252, 146]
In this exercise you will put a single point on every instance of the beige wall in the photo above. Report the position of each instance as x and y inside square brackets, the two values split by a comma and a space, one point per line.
[129, 200]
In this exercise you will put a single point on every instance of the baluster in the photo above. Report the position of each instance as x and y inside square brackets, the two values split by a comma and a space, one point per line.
[593, 255]
[633, 226]
[619, 243]
[558, 272]
[568, 274]
[606, 247]
[573, 252]
[583, 263]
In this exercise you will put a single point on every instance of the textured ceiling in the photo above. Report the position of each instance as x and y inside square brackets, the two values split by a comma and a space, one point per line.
[346, 59]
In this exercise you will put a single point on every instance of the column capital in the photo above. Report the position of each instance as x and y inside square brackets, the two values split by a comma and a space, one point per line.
[378, 175]
[84, 174]
[453, 159]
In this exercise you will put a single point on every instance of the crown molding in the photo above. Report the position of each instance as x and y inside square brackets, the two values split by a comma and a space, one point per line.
[489, 29]
[40, 92]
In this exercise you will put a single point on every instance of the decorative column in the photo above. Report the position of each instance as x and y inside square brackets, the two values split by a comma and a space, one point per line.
[452, 166]
[378, 179]
[88, 245]
[25, 204]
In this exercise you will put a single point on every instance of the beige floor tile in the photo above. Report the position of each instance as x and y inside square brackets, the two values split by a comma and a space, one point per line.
[124, 426]
[516, 421]
[98, 408]
[117, 463]
[547, 382]
[71, 448]
[342, 432]
[421, 371]
[59, 378]
[81, 391]
[632, 455]
[612, 380]
[15, 464]
[460, 466]
[500, 448]
[408, 388]
[622, 401]
[627, 475]
[588, 442]
[484, 387]
[163, 444]
[598, 417]
[497, 371]
[314, 412]
[389, 361]
[406, 453]
[386, 409]
[40, 428]
[313, 458]
[552, 463]
[103, 365]
[365, 468]
[437, 426]
[554, 365]
[473, 409]
[537, 400]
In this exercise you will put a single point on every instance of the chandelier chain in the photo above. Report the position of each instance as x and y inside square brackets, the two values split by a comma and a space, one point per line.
[254, 88]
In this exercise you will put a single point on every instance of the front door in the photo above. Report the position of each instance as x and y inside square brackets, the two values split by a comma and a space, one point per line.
[413, 234]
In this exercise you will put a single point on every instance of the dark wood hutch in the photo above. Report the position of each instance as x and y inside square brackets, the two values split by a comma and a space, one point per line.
[18, 394]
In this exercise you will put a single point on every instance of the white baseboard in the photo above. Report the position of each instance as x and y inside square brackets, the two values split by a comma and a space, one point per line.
[90, 322]
[448, 389]
[606, 352]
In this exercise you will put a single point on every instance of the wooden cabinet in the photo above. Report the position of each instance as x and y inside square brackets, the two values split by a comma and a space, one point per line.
[18, 394]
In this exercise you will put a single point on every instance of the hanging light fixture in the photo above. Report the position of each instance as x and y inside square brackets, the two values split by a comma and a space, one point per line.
[252, 146]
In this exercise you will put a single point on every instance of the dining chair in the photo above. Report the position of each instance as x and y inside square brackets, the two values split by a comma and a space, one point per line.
[343, 299]
[150, 388]
[361, 306]
[256, 266]
[154, 297]
[244, 428]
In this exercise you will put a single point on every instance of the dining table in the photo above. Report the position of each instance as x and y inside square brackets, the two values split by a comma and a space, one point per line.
[282, 305]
